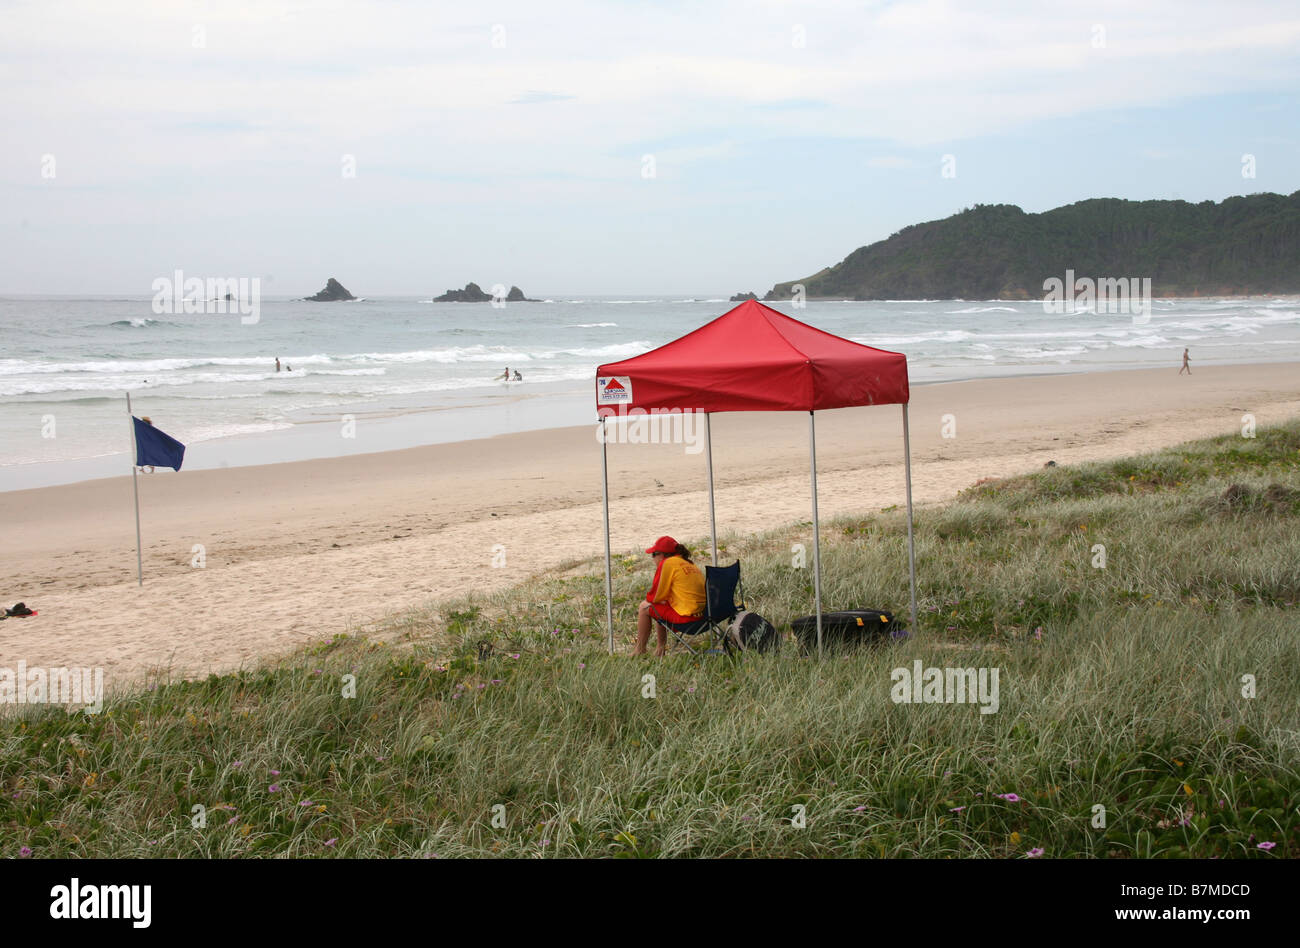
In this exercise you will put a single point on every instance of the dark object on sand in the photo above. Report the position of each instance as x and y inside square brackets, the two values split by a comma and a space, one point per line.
[334, 291]
[20, 610]
[1050, 464]
[850, 627]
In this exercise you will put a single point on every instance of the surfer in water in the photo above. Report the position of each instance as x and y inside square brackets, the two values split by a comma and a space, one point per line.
[518, 377]
[505, 376]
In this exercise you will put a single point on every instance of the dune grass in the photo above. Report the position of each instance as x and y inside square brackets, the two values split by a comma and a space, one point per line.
[499, 725]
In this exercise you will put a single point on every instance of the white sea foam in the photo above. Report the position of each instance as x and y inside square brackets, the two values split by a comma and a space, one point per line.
[207, 380]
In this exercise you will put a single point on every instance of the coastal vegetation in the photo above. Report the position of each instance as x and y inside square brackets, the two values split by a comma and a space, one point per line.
[1242, 245]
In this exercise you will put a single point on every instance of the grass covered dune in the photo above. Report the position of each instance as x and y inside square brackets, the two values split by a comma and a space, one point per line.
[499, 726]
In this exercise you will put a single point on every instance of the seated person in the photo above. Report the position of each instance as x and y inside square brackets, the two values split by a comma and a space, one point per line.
[676, 595]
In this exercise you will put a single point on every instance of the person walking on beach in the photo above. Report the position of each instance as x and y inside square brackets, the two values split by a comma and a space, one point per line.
[676, 595]
[277, 363]
[1186, 368]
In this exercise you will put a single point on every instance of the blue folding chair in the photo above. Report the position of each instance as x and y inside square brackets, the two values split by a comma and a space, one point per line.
[721, 588]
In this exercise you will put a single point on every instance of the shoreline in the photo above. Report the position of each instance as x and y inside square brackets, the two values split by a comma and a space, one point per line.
[296, 552]
[390, 429]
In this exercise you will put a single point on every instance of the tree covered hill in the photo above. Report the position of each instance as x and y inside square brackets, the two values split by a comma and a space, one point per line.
[1242, 245]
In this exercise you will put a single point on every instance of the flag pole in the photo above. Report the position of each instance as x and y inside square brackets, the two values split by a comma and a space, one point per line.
[135, 485]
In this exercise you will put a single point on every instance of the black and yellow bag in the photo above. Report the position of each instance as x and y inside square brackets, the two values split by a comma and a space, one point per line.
[850, 627]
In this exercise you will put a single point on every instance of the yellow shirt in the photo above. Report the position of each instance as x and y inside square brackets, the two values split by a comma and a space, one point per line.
[681, 585]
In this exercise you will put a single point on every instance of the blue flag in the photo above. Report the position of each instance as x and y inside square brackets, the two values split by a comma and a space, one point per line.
[152, 447]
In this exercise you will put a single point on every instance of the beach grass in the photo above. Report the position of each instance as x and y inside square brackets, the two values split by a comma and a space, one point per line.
[1142, 616]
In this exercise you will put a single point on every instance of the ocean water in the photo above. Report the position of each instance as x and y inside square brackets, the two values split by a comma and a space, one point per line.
[410, 371]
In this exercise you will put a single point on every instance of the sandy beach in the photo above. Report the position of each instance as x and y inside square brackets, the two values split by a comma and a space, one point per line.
[296, 552]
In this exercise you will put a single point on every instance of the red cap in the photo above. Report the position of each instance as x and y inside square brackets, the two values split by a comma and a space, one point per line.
[664, 545]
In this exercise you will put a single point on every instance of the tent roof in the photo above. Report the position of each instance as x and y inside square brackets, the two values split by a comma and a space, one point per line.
[753, 358]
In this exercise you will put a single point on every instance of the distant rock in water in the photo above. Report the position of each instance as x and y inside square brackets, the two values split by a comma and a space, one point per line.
[741, 297]
[472, 293]
[334, 290]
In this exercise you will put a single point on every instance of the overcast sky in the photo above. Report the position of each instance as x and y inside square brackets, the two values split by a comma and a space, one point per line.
[602, 147]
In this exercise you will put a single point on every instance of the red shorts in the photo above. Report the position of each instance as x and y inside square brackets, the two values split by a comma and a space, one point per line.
[661, 610]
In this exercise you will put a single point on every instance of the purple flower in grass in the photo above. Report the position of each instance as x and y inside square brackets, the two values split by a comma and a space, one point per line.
[859, 809]
[232, 820]
[274, 788]
[1009, 797]
[1265, 846]
[331, 842]
[1035, 852]
[25, 852]
[956, 809]
[275, 773]
[305, 803]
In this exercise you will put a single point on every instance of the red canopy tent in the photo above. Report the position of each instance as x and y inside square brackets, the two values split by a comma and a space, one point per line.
[754, 358]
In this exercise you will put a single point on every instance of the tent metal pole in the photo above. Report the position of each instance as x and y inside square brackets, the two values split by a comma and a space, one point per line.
[817, 550]
[135, 486]
[708, 455]
[604, 499]
[911, 542]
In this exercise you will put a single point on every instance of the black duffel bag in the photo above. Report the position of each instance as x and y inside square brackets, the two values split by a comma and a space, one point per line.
[750, 632]
[850, 627]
